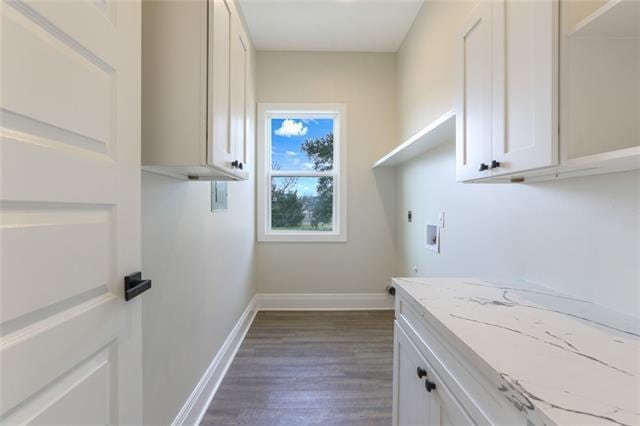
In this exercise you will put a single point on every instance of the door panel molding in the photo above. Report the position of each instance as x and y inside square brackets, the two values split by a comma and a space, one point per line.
[83, 390]
[42, 348]
[70, 212]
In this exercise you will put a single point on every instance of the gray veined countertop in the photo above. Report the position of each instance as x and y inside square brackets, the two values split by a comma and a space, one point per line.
[562, 360]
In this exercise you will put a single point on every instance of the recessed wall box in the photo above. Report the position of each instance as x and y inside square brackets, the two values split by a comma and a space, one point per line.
[432, 236]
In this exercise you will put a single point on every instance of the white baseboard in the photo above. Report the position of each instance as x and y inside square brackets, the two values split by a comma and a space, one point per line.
[323, 302]
[194, 409]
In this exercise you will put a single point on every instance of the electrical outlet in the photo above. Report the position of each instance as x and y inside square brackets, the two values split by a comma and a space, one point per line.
[441, 220]
[414, 269]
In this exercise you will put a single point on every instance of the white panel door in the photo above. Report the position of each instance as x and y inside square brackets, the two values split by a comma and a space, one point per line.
[70, 347]
[474, 110]
[525, 37]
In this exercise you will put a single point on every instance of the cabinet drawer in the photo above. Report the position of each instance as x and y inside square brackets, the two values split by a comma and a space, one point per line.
[477, 393]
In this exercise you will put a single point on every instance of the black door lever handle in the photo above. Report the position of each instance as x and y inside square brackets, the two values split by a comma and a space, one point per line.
[134, 285]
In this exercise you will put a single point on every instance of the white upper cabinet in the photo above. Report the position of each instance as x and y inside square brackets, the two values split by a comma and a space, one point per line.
[525, 99]
[563, 96]
[473, 125]
[220, 150]
[238, 89]
[600, 84]
[195, 112]
[507, 114]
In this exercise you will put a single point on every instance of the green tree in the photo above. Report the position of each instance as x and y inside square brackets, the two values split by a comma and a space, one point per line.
[286, 206]
[320, 151]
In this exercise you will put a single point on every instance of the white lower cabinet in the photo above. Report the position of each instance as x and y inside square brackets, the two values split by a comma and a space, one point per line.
[420, 397]
[436, 383]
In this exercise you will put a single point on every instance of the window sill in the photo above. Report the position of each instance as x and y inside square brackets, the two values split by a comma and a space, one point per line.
[329, 237]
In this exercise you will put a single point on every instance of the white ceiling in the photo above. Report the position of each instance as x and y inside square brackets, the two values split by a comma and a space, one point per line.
[329, 25]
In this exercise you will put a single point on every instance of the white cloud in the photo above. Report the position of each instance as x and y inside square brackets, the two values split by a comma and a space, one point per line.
[308, 166]
[291, 128]
[291, 153]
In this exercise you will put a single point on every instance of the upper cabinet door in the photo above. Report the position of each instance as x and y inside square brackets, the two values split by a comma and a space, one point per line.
[219, 145]
[238, 90]
[474, 125]
[525, 100]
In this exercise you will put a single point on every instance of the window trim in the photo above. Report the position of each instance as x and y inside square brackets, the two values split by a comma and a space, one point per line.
[339, 174]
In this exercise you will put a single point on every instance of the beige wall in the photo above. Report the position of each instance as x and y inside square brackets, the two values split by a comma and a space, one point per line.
[426, 64]
[579, 236]
[366, 83]
[202, 266]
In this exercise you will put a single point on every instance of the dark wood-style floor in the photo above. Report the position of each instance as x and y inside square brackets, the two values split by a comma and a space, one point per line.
[310, 368]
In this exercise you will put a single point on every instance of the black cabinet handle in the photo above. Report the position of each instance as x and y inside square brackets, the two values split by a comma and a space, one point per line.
[429, 385]
[421, 372]
[134, 285]
[234, 164]
[483, 167]
[240, 165]
[494, 164]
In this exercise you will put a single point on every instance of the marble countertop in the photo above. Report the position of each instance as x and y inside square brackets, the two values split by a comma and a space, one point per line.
[558, 359]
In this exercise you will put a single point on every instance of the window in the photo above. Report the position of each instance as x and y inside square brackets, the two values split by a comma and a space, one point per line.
[302, 185]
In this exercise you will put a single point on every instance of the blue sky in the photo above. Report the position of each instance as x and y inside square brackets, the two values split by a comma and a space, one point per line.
[287, 135]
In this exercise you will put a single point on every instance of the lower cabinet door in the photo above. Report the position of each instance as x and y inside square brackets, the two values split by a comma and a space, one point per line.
[415, 403]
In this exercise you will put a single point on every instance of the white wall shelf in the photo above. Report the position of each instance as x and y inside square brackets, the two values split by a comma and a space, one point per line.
[616, 18]
[436, 133]
[618, 160]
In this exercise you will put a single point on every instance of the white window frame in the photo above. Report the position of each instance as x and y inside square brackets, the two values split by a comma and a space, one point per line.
[338, 112]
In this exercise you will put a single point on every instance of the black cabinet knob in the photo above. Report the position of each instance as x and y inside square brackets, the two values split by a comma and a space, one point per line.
[421, 372]
[234, 164]
[429, 385]
[494, 164]
[483, 167]
[240, 165]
